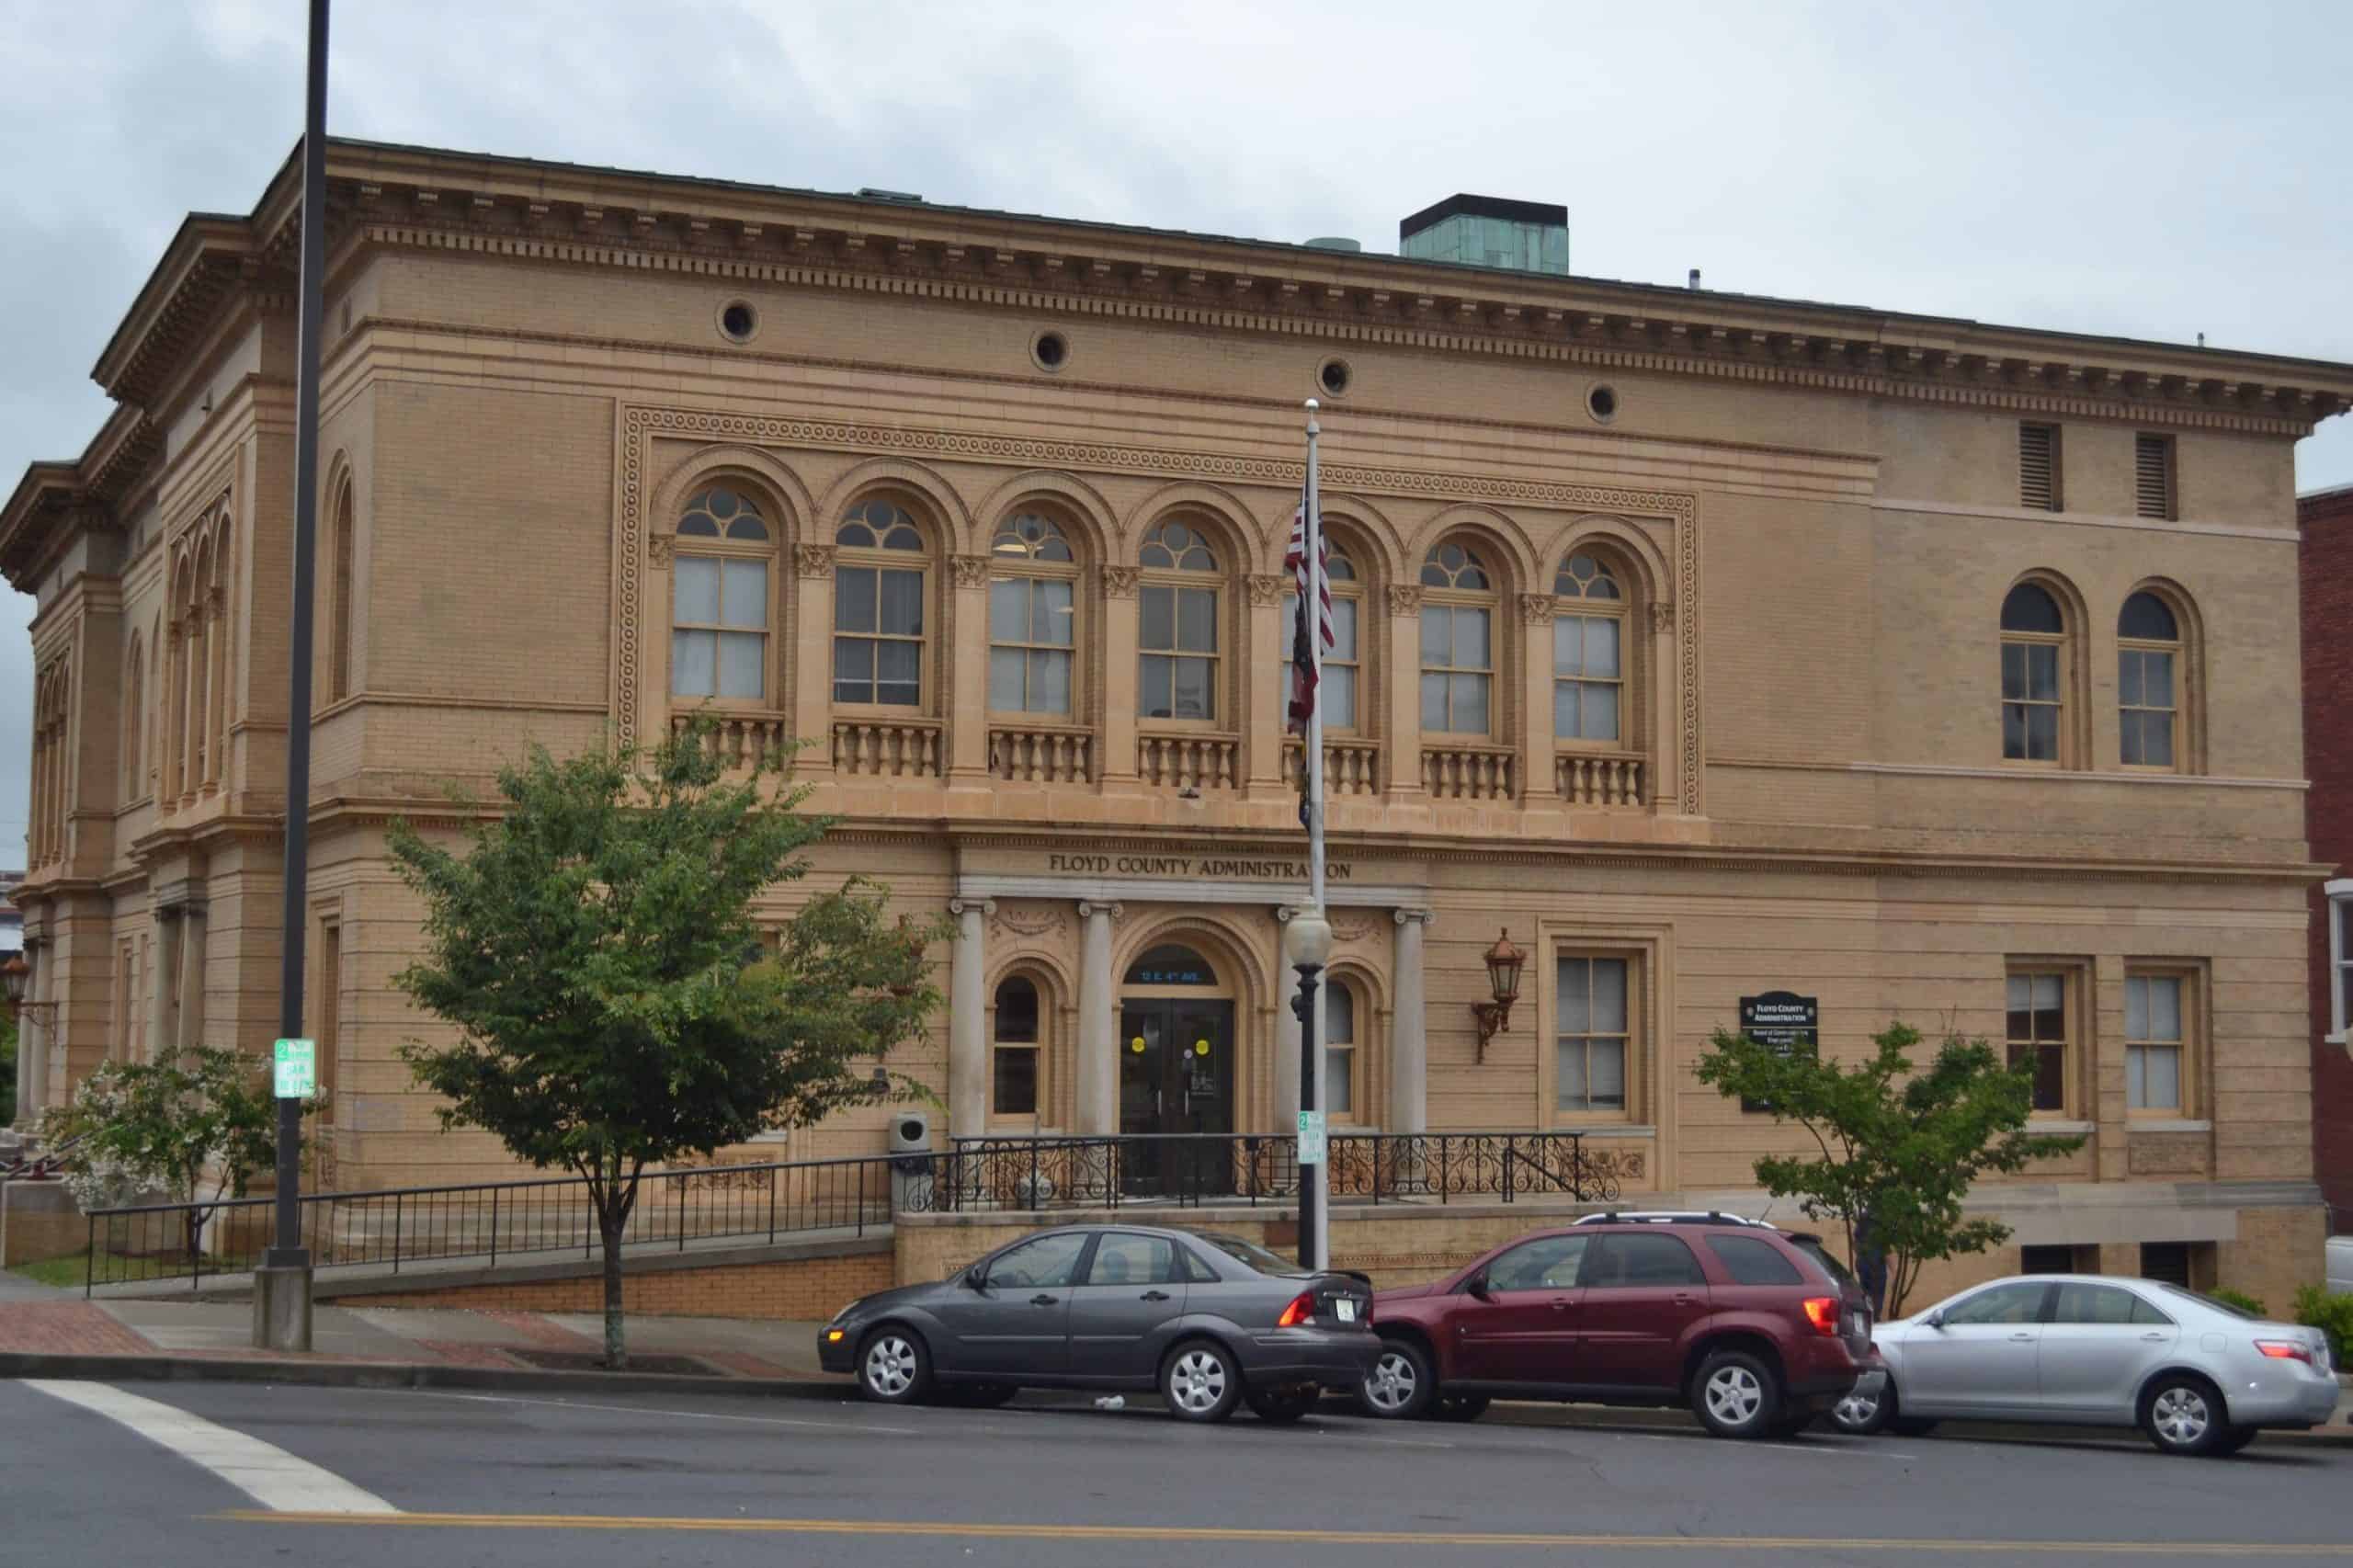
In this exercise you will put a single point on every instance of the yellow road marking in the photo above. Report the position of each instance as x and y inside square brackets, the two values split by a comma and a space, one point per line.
[1286, 1537]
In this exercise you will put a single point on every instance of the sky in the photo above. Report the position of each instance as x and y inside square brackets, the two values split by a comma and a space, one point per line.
[2150, 169]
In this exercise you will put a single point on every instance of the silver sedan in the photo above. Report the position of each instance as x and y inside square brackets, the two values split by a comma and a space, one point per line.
[2197, 1376]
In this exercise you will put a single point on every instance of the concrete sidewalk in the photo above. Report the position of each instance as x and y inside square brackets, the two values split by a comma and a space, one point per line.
[442, 1347]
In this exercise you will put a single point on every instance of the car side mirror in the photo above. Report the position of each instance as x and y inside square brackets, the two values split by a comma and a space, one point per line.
[975, 1281]
[1933, 1319]
[1477, 1287]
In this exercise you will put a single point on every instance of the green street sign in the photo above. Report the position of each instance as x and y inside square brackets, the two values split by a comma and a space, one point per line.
[297, 1069]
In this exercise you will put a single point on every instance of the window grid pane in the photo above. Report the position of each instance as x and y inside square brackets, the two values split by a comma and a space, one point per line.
[2037, 1034]
[1589, 1053]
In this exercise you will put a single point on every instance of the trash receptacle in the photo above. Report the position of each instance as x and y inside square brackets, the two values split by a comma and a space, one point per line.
[912, 1177]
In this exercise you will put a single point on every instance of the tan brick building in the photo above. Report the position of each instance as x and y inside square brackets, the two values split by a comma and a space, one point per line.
[1711, 645]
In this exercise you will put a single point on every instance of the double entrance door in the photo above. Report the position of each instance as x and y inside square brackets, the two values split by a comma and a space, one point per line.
[1176, 1078]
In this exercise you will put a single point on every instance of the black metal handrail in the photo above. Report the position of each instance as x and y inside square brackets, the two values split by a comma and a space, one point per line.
[399, 1226]
[1193, 1168]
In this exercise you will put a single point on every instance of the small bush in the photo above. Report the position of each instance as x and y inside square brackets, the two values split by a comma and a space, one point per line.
[2331, 1314]
[2240, 1299]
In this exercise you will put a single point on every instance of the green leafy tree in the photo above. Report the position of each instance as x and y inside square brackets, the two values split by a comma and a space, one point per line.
[1899, 1150]
[195, 1129]
[597, 951]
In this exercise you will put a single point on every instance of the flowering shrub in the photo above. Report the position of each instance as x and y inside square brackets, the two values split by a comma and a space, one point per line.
[194, 1129]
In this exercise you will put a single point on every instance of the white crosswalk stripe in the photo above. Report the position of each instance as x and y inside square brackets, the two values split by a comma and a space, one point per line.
[264, 1471]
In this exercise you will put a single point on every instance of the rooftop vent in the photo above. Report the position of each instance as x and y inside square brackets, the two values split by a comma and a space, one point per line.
[876, 193]
[1489, 231]
[1334, 241]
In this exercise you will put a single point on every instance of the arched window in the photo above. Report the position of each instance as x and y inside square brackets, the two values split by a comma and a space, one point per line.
[1344, 661]
[1588, 653]
[2034, 646]
[1340, 1056]
[881, 584]
[2148, 680]
[341, 633]
[1013, 1077]
[134, 719]
[1458, 642]
[720, 604]
[1033, 617]
[1177, 642]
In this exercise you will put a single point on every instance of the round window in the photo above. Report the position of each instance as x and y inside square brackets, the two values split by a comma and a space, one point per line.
[1332, 377]
[1051, 350]
[1602, 403]
[738, 321]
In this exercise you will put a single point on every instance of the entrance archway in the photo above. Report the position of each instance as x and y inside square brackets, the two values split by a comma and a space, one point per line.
[1177, 1052]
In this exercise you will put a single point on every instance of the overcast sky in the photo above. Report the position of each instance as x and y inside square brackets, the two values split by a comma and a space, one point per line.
[2154, 170]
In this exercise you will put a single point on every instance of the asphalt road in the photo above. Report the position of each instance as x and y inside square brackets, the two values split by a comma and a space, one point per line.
[684, 1480]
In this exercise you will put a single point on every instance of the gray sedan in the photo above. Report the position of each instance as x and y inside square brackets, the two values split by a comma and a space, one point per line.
[1209, 1320]
[2196, 1375]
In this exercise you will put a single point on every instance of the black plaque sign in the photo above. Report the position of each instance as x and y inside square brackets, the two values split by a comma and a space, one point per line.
[1782, 1020]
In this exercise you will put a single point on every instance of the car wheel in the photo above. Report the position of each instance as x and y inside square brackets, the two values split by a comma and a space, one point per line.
[1460, 1406]
[2233, 1439]
[1402, 1383]
[893, 1368]
[1735, 1396]
[1861, 1415]
[1200, 1381]
[1280, 1406]
[2184, 1414]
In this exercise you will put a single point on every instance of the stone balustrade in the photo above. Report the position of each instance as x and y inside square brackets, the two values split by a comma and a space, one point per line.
[1470, 772]
[1591, 779]
[1198, 761]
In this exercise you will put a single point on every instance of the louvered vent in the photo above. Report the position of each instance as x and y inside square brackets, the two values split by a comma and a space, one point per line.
[2038, 467]
[2152, 476]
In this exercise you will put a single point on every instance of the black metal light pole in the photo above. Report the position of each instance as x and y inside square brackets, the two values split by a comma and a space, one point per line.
[285, 1329]
[1307, 943]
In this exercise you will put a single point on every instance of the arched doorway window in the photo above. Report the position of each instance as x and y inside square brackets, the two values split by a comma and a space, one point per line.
[1015, 1048]
[1176, 1074]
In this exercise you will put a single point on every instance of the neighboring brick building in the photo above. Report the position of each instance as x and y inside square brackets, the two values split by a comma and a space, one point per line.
[2324, 518]
[1714, 646]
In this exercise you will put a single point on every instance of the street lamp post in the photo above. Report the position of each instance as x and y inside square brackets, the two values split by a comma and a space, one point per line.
[282, 1283]
[1307, 947]
[15, 977]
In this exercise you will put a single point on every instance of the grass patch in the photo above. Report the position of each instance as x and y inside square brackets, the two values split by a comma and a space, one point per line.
[64, 1272]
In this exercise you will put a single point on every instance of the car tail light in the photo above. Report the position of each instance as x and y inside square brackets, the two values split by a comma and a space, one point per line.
[2285, 1350]
[1823, 1312]
[1302, 1308]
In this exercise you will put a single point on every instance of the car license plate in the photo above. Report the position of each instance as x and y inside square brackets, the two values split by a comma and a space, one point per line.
[1345, 1310]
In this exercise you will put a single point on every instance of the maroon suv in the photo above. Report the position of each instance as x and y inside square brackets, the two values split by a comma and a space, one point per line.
[1755, 1330]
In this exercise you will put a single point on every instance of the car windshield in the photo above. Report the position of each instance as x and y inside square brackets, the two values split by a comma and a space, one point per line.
[1822, 1258]
[2207, 1302]
[1252, 1254]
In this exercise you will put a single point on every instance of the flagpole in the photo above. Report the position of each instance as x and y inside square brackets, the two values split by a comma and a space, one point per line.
[1313, 1189]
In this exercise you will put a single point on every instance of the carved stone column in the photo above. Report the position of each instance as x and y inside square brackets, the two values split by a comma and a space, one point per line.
[1535, 738]
[1409, 1061]
[967, 717]
[1118, 764]
[968, 1045]
[1404, 686]
[1098, 1088]
[812, 658]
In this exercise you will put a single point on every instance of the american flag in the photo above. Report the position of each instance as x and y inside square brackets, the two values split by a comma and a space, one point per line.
[1303, 663]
